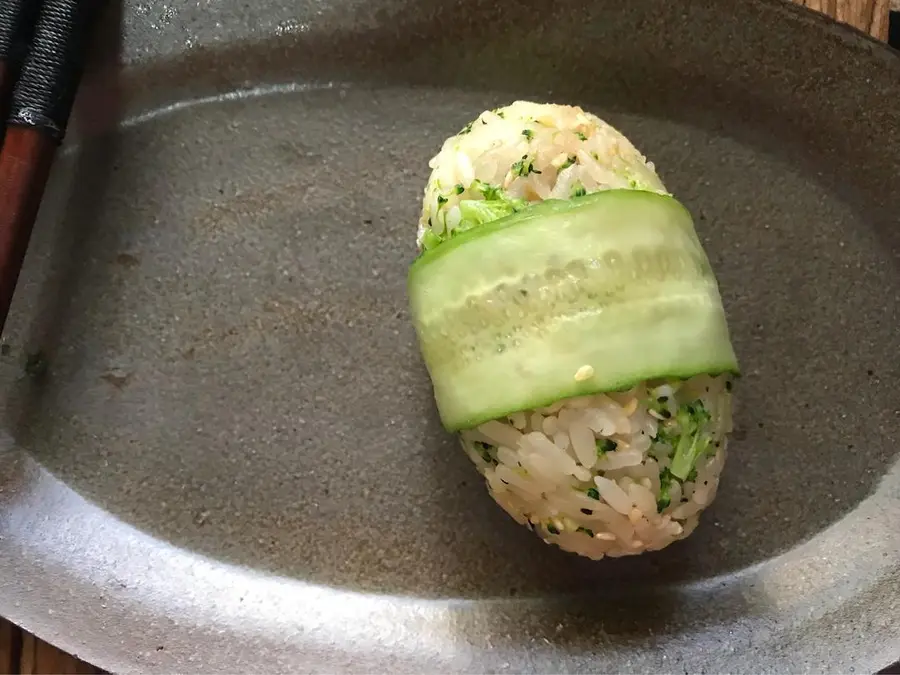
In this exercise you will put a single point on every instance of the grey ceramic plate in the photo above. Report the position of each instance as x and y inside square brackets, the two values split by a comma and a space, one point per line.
[232, 460]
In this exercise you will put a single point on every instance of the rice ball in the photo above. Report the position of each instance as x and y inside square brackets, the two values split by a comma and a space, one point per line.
[611, 474]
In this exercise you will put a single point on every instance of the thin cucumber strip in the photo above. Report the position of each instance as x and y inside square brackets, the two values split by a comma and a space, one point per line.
[564, 299]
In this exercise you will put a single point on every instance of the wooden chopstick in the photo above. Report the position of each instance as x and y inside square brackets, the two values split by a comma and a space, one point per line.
[37, 115]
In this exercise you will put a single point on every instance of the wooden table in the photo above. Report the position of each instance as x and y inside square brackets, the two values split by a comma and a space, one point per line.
[21, 652]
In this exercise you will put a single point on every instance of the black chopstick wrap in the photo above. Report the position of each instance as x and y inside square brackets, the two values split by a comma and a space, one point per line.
[49, 77]
[16, 20]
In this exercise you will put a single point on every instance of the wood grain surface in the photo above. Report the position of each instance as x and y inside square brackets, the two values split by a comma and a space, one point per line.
[21, 652]
[870, 16]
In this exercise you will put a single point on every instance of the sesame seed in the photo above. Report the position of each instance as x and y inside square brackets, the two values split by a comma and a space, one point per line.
[584, 373]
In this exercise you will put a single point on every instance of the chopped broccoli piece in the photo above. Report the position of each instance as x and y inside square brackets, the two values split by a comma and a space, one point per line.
[488, 191]
[593, 493]
[495, 205]
[665, 481]
[605, 445]
[476, 212]
[523, 167]
[693, 442]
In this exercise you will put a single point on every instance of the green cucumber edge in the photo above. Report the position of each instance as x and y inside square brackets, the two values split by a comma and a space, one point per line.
[530, 212]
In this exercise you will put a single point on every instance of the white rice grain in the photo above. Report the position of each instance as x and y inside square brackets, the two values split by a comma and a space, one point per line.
[642, 498]
[561, 439]
[619, 459]
[613, 494]
[500, 434]
[583, 443]
[550, 450]
[549, 426]
[518, 420]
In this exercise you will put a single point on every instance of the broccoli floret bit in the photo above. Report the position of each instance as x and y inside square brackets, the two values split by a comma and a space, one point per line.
[605, 445]
[694, 439]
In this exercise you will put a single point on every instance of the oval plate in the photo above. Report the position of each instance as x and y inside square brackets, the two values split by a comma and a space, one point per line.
[222, 450]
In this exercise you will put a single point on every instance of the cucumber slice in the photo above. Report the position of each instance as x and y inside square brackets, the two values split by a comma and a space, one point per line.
[614, 287]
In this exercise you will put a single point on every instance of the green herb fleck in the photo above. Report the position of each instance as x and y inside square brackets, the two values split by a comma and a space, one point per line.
[441, 200]
[578, 191]
[528, 133]
[484, 449]
[569, 162]
[460, 189]
[523, 167]
[605, 445]
[552, 529]
[581, 136]
[593, 493]
[586, 531]
[466, 129]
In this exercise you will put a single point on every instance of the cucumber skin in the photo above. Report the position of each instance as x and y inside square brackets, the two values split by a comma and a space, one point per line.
[485, 364]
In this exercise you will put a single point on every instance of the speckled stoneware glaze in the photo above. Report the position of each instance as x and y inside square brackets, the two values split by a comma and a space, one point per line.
[227, 456]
